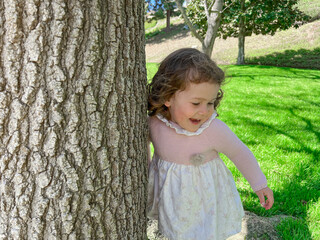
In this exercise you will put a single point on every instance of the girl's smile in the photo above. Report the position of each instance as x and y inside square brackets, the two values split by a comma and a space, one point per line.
[193, 106]
[195, 121]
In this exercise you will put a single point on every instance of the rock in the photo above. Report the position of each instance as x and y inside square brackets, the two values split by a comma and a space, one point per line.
[253, 227]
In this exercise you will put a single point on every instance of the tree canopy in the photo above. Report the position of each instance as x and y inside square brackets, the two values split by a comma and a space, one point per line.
[247, 17]
[261, 17]
[160, 4]
[212, 12]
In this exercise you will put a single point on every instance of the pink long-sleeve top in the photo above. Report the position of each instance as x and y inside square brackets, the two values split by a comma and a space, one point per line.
[174, 144]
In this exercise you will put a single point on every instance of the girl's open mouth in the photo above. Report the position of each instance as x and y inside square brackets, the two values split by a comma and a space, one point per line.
[195, 121]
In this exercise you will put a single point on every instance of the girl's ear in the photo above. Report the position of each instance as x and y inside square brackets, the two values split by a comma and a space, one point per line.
[167, 104]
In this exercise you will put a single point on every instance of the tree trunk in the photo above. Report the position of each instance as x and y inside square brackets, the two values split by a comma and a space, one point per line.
[241, 42]
[168, 20]
[73, 158]
[213, 26]
[241, 37]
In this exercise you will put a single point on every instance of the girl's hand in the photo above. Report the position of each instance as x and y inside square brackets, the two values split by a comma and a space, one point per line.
[269, 194]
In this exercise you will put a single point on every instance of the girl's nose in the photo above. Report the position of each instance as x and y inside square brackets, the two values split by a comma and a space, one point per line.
[204, 109]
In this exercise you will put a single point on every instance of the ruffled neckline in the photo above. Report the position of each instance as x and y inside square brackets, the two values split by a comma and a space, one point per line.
[183, 131]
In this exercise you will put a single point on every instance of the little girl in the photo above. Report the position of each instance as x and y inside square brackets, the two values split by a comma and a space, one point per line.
[192, 193]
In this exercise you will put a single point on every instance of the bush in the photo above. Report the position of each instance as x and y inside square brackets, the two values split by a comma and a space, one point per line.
[159, 14]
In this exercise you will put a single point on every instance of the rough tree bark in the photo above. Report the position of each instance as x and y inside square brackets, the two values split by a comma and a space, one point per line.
[72, 119]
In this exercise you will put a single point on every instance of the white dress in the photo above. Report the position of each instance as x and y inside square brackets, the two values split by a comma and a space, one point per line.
[193, 202]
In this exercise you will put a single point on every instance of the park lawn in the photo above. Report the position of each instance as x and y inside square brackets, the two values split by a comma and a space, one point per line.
[275, 111]
[310, 7]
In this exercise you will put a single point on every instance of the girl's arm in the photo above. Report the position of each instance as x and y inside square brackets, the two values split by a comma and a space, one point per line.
[229, 144]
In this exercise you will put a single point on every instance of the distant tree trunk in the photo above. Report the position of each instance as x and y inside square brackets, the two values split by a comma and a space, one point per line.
[241, 37]
[213, 13]
[168, 19]
[213, 26]
[72, 120]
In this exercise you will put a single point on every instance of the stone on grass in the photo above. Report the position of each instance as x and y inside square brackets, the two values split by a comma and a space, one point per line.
[253, 227]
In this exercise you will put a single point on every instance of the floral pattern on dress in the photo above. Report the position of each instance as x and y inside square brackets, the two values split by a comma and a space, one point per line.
[193, 202]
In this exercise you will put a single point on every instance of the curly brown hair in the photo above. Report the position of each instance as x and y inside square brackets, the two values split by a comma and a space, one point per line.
[176, 71]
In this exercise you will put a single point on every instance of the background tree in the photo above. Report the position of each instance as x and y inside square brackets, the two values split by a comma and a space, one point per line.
[212, 11]
[243, 18]
[72, 120]
[163, 5]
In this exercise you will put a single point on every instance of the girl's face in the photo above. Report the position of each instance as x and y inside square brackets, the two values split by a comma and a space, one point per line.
[193, 106]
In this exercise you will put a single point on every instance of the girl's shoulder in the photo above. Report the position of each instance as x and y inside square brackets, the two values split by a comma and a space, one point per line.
[217, 123]
[156, 126]
[217, 126]
[153, 121]
[159, 121]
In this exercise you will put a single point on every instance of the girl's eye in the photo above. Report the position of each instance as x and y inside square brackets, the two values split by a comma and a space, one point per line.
[195, 104]
[210, 103]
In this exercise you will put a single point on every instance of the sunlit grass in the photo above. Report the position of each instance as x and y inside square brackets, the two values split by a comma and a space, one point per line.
[160, 27]
[293, 229]
[150, 24]
[310, 7]
[276, 113]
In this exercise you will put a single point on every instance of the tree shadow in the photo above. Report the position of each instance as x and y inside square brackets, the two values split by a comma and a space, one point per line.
[274, 217]
[302, 58]
[176, 31]
[308, 127]
[302, 187]
[264, 228]
[284, 72]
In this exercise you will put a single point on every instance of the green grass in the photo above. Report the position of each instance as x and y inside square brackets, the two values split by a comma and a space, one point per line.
[293, 229]
[310, 7]
[154, 28]
[276, 113]
[299, 48]
[154, 32]
[150, 24]
[160, 27]
[300, 58]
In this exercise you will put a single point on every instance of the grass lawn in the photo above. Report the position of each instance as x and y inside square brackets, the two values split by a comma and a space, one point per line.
[156, 27]
[310, 7]
[276, 112]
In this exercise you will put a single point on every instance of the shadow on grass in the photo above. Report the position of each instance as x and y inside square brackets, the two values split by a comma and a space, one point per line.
[302, 58]
[300, 189]
[175, 32]
[303, 147]
[296, 227]
[248, 71]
